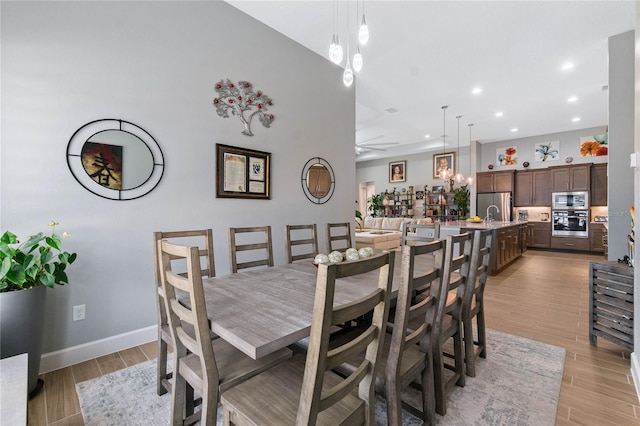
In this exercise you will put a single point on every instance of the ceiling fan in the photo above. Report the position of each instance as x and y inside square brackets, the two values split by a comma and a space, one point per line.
[363, 147]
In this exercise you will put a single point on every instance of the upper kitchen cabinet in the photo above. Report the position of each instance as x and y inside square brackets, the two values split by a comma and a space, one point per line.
[571, 178]
[599, 182]
[533, 188]
[495, 181]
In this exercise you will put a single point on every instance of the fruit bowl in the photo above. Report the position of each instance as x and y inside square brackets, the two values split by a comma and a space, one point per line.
[479, 220]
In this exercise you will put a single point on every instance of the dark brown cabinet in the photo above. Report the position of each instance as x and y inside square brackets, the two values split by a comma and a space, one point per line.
[533, 188]
[570, 243]
[571, 178]
[507, 245]
[596, 237]
[599, 183]
[539, 234]
[495, 181]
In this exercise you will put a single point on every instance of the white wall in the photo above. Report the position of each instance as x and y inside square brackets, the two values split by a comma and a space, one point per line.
[621, 127]
[155, 64]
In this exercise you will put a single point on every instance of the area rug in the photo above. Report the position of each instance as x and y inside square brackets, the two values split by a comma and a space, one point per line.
[518, 384]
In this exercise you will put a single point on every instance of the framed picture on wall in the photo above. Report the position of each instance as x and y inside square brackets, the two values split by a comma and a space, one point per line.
[242, 173]
[445, 161]
[398, 171]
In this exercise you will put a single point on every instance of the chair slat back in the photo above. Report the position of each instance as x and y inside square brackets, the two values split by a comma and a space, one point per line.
[299, 236]
[419, 232]
[319, 359]
[263, 246]
[197, 341]
[339, 236]
[415, 301]
[203, 238]
[479, 269]
[455, 273]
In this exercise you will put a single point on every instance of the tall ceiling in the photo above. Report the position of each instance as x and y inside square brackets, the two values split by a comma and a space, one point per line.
[425, 54]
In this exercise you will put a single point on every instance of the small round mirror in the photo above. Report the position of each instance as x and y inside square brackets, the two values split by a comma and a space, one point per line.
[115, 159]
[318, 180]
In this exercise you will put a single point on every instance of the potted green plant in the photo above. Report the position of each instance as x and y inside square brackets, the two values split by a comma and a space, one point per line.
[358, 217]
[375, 204]
[26, 270]
[461, 197]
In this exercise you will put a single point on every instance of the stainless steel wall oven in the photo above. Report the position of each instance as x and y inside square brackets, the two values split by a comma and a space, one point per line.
[570, 214]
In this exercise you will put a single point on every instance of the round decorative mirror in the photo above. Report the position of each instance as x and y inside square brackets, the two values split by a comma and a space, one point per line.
[318, 180]
[115, 159]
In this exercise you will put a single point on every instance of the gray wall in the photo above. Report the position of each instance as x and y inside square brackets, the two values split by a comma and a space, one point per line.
[621, 127]
[155, 64]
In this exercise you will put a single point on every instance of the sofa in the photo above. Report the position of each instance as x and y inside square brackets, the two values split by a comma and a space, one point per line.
[382, 232]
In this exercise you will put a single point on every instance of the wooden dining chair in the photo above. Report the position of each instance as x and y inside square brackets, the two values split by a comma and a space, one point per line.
[301, 236]
[304, 391]
[199, 363]
[406, 355]
[203, 238]
[338, 236]
[473, 300]
[255, 239]
[448, 324]
[418, 233]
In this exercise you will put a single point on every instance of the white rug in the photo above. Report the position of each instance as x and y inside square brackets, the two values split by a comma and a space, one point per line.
[518, 384]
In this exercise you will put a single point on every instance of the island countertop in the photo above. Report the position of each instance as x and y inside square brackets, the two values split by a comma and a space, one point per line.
[457, 224]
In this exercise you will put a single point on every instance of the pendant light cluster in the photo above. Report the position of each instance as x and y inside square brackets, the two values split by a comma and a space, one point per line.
[446, 174]
[336, 52]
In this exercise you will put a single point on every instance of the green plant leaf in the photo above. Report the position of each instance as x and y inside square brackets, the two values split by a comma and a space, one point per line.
[16, 274]
[54, 241]
[8, 238]
[32, 243]
[4, 268]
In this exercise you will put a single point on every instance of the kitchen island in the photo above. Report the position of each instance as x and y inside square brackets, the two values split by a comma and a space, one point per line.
[508, 244]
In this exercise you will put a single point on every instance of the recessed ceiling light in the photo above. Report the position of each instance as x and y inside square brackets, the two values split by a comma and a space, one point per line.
[515, 129]
[499, 114]
[575, 119]
[572, 99]
[476, 90]
[427, 136]
[567, 66]
[391, 110]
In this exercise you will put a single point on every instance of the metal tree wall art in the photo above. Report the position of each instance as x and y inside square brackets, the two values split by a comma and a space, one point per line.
[242, 101]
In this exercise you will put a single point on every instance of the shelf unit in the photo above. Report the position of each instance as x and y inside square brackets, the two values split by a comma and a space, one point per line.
[397, 204]
[439, 206]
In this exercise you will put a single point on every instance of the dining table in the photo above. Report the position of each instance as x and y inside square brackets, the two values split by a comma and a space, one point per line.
[262, 310]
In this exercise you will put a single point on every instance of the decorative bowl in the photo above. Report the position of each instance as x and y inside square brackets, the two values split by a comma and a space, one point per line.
[475, 220]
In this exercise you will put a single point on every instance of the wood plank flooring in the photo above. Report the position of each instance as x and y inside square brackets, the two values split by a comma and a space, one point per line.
[542, 296]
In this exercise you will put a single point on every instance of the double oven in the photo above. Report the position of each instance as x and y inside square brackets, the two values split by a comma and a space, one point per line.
[570, 214]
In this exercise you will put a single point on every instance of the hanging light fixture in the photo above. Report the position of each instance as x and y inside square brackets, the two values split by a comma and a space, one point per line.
[363, 32]
[347, 76]
[470, 178]
[444, 174]
[459, 176]
[357, 58]
[336, 54]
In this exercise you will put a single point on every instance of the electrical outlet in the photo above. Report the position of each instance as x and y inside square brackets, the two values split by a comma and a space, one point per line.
[78, 312]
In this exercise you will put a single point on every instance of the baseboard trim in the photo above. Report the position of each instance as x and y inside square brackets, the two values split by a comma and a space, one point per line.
[69, 356]
[635, 373]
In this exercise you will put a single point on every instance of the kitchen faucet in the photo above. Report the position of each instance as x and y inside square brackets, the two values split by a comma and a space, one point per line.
[489, 218]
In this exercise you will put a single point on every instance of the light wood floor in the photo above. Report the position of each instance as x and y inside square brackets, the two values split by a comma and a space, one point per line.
[542, 296]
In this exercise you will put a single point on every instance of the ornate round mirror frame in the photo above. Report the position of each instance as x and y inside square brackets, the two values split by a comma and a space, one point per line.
[93, 128]
[305, 180]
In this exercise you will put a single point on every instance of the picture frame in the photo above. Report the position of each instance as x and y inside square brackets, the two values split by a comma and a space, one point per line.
[450, 158]
[419, 195]
[436, 188]
[398, 171]
[242, 173]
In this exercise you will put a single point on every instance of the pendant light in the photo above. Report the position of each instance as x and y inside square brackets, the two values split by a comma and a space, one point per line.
[444, 175]
[357, 58]
[459, 176]
[347, 76]
[336, 53]
[363, 32]
[470, 178]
